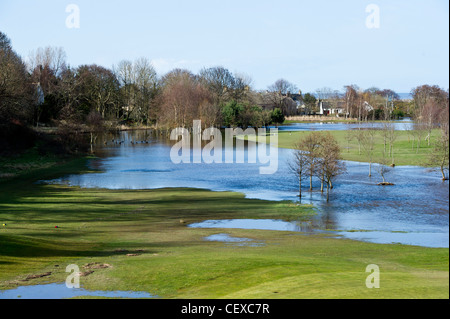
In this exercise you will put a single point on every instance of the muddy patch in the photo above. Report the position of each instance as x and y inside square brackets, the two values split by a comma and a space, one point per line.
[31, 277]
[97, 265]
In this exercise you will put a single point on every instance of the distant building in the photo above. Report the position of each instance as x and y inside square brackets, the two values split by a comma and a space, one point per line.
[368, 107]
[300, 105]
[327, 108]
[270, 100]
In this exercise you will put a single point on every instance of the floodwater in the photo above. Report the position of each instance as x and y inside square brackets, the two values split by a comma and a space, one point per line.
[235, 241]
[60, 291]
[401, 125]
[413, 212]
[258, 224]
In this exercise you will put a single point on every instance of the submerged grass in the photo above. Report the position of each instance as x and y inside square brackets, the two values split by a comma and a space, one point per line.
[143, 236]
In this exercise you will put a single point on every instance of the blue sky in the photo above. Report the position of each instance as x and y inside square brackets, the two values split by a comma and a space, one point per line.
[312, 44]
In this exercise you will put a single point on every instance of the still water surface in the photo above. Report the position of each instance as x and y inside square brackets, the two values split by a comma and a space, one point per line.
[60, 291]
[401, 125]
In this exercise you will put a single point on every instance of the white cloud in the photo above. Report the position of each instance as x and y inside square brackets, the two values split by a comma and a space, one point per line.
[163, 65]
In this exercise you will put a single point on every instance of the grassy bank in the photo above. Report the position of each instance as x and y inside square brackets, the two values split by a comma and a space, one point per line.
[143, 238]
[405, 148]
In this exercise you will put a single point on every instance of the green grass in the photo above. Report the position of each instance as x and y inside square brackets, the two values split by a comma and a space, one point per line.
[175, 261]
[28, 161]
[405, 149]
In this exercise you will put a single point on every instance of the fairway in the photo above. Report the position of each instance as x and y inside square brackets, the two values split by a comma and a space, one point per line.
[406, 152]
[143, 236]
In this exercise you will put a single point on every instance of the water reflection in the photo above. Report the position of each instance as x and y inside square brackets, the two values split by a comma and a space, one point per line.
[415, 210]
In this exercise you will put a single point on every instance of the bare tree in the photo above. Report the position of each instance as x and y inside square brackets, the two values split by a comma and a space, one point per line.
[242, 88]
[299, 166]
[52, 58]
[349, 137]
[311, 144]
[351, 100]
[46, 66]
[94, 122]
[330, 163]
[139, 85]
[383, 168]
[69, 96]
[425, 93]
[283, 87]
[368, 145]
[389, 135]
[184, 98]
[99, 87]
[385, 134]
[440, 155]
[220, 82]
[146, 83]
[16, 91]
[318, 154]
[418, 132]
[324, 93]
[278, 95]
[124, 72]
[392, 137]
[429, 117]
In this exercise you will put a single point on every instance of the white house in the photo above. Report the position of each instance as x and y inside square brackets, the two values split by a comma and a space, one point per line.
[327, 109]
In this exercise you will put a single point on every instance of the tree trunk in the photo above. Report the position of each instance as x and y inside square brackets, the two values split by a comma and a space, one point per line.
[328, 192]
[92, 143]
[444, 178]
[321, 185]
[393, 159]
[300, 187]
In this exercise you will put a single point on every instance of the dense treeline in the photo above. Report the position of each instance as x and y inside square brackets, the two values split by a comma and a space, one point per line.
[45, 90]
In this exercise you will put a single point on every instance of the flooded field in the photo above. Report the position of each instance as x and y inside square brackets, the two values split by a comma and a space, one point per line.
[413, 212]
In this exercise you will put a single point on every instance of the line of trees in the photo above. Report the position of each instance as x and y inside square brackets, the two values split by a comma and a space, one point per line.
[432, 112]
[45, 89]
[381, 104]
[317, 155]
